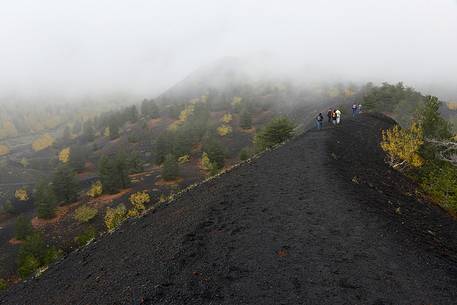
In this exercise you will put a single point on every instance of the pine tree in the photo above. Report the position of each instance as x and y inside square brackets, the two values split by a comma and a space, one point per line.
[65, 184]
[149, 109]
[433, 124]
[78, 157]
[45, 200]
[122, 170]
[23, 228]
[163, 146]
[113, 171]
[88, 131]
[215, 154]
[246, 119]
[77, 127]
[275, 132]
[113, 129]
[107, 178]
[170, 170]
[66, 136]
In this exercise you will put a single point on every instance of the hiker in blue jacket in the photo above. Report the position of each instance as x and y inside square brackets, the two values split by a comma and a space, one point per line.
[319, 120]
[354, 109]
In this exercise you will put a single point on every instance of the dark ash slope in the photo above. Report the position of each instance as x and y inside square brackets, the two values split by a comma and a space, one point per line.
[289, 228]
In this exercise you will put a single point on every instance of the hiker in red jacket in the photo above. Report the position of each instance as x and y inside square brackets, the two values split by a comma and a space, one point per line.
[329, 115]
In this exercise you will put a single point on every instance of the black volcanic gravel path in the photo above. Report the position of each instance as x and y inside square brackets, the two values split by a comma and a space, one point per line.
[288, 228]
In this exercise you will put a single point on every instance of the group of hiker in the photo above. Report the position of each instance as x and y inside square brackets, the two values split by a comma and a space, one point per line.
[334, 115]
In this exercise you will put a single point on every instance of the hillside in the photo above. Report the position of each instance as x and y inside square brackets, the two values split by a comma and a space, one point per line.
[320, 220]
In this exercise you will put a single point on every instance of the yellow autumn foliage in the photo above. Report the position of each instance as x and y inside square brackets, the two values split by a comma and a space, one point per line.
[106, 132]
[96, 189]
[184, 159]
[4, 150]
[452, 105]
[64, 155]
[236, 101]
[21, 194]
[205, 162]
[138, 200]
[402, 146]
[224, 130]
[186, 112]
[227, 118]
[333, 92]
[7, 129]
[115, 216]
[348, 92]
[42, 142]
[24, 162]
[85, 213]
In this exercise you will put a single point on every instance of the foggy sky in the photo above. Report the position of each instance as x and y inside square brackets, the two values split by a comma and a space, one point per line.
[99, 46]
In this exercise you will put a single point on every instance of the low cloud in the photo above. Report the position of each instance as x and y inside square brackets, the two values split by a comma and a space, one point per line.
[143, 47]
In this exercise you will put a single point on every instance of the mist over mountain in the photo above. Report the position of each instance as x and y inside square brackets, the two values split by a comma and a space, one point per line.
[144, 47]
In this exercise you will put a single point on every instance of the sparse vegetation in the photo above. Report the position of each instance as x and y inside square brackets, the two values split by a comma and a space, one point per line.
[96, 189]
[86, 236]
[184, 159]
[419, 151]
[138, 201]
[85, 213]
[227, 118]
[34, 253]
[43, 142]
[245, 154]
[64, 155]
[224, 130]
[3, 284]
[115, 216]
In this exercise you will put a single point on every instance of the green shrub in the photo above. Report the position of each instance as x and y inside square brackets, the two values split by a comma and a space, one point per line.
[439, 179]
[275, 132]
[86, 236]
[28, 265]
[170, 169]
[245, 153]
[34, 253]
[23, 228]
[8, 207]
[85, 213]
[215, 154]
[3, 284]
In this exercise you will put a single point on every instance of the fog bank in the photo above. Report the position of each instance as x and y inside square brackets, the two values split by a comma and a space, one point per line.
[79, 48]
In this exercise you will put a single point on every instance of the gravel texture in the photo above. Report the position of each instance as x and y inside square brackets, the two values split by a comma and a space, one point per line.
[320, 220]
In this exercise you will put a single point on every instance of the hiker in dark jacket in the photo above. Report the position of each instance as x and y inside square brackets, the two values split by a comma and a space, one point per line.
[319, 120]
[329, 115]
[334, 116]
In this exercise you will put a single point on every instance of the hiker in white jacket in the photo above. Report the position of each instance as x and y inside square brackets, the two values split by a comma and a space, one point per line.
[338, 116]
